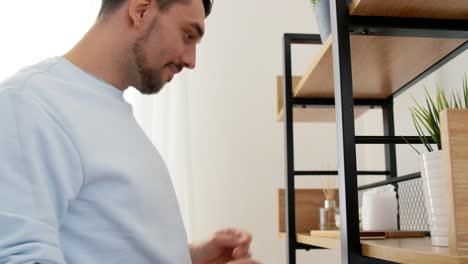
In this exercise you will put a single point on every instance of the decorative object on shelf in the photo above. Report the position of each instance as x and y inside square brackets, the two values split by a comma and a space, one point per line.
[434, 183]
[327, 213]
[380, 209]
[435, 198]
[454, 132]
[428, 118]
[322, 16]
[337, 219]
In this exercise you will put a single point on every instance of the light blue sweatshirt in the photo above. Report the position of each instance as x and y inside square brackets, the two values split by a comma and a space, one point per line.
[79, 180]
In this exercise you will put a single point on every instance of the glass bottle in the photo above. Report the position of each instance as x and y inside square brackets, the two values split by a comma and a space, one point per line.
[327, 216]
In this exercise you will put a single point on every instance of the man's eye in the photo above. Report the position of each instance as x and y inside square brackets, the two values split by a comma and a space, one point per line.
[188, 36]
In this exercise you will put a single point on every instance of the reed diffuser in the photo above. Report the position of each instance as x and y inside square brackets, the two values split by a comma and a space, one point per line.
[327, 213]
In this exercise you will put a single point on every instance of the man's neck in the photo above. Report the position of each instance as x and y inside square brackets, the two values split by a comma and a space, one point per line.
[103, 54]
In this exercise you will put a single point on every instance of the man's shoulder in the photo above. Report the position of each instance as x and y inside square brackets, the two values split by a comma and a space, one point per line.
[31, 89]
[30, 77]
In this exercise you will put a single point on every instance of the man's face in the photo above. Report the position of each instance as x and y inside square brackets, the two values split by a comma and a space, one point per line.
[168, 45]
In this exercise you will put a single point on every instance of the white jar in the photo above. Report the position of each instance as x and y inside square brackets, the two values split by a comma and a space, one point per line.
[379, 209]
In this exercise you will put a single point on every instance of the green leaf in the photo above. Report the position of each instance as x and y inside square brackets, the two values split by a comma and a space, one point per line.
[426, 119]
[314, 2]
[411, 145]
[421, 135]
[416, 120]
[457, 101]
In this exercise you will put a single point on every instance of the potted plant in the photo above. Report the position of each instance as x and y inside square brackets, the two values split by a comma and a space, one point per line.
[426, 120]
[322, 16]
[428, 117]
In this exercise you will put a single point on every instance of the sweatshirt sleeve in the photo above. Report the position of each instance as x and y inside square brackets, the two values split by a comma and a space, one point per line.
[40, 173]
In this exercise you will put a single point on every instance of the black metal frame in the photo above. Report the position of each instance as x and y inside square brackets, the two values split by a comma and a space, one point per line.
[342, 26]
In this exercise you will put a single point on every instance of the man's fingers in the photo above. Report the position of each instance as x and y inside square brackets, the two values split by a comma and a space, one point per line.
[241, 253]
[244, 261]
[232, 238]
[245, 237]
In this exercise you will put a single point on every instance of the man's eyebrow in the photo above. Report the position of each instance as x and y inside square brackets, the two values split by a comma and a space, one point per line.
[198, 28]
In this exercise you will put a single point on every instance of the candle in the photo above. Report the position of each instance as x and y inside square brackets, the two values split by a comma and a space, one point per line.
[379, 209]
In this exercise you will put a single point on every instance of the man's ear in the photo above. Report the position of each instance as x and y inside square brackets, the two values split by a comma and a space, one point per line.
[141, 12]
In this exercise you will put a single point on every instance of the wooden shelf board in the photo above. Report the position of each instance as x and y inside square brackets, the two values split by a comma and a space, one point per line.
[304, 238]
[317, 114]
[380, 65]
[410, 250]
[452, 9]
[400, 250]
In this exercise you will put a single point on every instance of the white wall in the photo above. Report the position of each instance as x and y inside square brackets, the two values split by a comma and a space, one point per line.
[237, 159]
[36, 30]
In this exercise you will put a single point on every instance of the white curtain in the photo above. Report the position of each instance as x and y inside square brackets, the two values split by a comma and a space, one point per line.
[35, 30]
[164, 118]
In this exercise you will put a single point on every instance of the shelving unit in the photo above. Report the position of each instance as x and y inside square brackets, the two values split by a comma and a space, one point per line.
[400, 250]
[377, 50]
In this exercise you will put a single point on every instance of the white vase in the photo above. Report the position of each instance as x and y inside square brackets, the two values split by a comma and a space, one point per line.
[435, 196]
[322, 16]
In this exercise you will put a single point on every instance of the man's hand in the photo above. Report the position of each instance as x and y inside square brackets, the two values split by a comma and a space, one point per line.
[227, 246]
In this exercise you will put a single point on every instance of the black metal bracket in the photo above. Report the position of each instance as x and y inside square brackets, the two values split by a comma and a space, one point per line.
[290, 211]
[299, 38]
[306, 247]
[322, 173]
[408, 27]
[330, 102]
[391, 140]
[408, 177]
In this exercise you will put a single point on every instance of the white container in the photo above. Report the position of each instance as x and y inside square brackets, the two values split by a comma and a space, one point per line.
[380, 209]
[435, 197]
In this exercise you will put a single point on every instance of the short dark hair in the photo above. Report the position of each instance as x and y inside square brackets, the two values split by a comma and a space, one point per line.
[108, 6]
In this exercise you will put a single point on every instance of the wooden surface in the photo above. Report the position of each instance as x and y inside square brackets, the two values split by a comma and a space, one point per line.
[454, 132]
[280, 92]
[370, 234]
[400, 250]
[409, 250]
[308, 202]
[305, 238]
[336, 234]
[380, 65]
[319, 114]
[454, 9]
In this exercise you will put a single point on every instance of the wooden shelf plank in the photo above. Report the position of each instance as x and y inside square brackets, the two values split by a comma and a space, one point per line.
[400, 250]
[410, 250]
[330, 243]
[317, 114]
[451, 9]
[380, 65]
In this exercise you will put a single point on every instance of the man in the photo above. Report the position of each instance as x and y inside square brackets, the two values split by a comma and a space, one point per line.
[79, 180]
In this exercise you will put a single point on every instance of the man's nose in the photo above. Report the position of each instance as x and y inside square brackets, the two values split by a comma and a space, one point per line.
[189, 57]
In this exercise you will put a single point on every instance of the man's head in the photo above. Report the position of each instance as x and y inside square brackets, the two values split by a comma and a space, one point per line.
[163, 36]
[107, 6]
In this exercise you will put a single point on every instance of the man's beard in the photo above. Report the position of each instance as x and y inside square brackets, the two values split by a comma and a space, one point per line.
[150, 79]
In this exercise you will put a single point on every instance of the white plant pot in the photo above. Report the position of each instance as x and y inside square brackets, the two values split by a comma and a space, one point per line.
[435, 196]
[322, 16]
